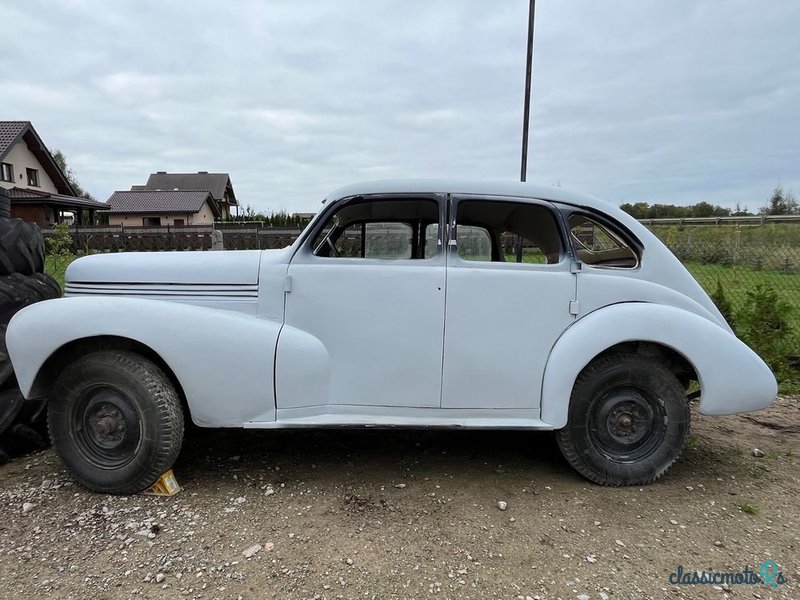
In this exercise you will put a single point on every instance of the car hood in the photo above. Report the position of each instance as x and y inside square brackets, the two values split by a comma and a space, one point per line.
[231, 267]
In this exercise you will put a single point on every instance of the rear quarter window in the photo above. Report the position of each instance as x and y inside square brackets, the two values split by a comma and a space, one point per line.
[599, 245]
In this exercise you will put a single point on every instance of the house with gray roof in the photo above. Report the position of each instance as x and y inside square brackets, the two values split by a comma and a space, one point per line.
[158, 208]
[39, 191]
[217, 184]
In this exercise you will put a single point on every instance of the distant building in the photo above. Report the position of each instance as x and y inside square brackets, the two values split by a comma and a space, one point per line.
[40, 192]
[217, 184]
[140, 208]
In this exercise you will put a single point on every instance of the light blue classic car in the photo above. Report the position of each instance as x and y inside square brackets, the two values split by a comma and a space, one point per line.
[402, 304]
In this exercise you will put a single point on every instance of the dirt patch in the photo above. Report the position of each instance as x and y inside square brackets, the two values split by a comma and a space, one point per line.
[409, 514]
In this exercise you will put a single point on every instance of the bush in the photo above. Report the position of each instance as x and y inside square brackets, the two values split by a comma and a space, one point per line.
[763, 322]
[61, 243]
[723, 304]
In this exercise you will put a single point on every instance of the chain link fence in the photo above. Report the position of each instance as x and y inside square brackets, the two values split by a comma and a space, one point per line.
[732, 259]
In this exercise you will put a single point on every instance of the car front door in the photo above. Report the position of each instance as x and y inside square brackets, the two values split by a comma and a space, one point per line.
[364, 317]
[509, 294]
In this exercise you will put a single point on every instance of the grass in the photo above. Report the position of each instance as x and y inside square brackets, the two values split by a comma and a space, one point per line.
[749, 508]
[56, 266]
[768, 235]
[737, 280]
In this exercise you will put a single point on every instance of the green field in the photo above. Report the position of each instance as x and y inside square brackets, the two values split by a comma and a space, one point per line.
[737, 280]
[772, 234]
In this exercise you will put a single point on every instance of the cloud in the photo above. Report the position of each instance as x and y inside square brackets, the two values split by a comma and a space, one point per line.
[634, 100]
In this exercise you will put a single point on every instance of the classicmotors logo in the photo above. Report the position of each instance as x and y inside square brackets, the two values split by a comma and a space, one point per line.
[768, 573]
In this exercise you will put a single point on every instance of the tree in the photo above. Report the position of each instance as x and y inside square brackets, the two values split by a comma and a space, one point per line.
[740, 211]
[638, 210]
[781, 203]
[643, 210]
[61, 161]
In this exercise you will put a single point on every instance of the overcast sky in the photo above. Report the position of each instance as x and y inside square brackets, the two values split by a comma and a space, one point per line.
[633, 100]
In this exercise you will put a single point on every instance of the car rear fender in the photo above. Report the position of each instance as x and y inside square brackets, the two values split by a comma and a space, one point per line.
[222, 360]
[732, 377]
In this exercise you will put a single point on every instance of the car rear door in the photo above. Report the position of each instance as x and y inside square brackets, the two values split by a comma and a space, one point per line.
[510, 291]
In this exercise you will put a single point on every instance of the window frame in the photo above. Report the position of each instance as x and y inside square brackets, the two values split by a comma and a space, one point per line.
[616, 231]
[33, 177]
[10, 172]
[363, 225]
[454, 259]
[305, 248]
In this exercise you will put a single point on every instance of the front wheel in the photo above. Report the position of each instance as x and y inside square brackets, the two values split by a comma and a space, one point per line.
[628, 421]
[116, 421]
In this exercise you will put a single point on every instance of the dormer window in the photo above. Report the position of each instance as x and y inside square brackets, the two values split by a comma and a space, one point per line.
[6, 172]
[33, 177]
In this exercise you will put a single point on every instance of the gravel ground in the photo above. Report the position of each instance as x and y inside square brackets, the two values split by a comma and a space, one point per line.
[410, 514]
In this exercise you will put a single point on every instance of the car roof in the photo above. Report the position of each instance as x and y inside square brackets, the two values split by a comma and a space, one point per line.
[464, 186]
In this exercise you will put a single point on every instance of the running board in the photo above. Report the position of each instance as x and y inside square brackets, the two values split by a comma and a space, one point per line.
[391, 417]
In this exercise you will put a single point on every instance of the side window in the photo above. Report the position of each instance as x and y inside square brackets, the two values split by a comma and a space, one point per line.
[474, 243]
[500, 231]
[376, 240]
[598, 245]
[432, 242]
[381, 229]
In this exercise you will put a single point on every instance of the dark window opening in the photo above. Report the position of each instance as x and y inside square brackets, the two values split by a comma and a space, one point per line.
[151, 221]
[381, 229]
[7, 172]
[33, 177]
[507, 232]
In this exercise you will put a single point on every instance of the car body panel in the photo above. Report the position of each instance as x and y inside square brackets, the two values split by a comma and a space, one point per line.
[283, 338]
[732, 377]
[499, 318]
[222, 360]
[375, 358]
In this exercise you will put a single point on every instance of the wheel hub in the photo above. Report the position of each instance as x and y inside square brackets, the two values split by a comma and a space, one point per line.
[108, 423]
[626, 424]
[107, 427]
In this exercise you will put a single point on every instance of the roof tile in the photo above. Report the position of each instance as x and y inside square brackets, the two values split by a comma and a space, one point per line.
[9, 132]
[164, 201]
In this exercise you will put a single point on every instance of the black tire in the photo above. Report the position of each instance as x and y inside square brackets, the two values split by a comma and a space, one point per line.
[18, 291]
[6, 370]
[11, 402]
[21, 247]
[628, 421]
[5, 205]
[116, 421]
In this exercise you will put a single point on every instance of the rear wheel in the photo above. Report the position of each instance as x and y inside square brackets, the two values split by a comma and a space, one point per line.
[628, 421]
[21, 247]
[6, 370]
[116, 421]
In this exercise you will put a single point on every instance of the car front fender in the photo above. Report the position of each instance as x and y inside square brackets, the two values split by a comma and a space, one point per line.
[732, 377]
[222, 360]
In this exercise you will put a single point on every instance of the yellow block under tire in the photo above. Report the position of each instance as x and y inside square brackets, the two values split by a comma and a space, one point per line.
[116, 421]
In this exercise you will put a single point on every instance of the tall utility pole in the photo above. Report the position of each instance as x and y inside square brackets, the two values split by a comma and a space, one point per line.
[523, 170]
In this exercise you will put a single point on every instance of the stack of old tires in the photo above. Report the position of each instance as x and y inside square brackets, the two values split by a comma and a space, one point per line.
[22, 282]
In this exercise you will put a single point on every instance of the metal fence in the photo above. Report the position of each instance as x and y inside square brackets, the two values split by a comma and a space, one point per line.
[731, 258]
[90, 240]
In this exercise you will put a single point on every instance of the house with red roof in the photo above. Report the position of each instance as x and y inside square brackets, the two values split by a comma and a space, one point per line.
[158, 208]
[39, 191]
